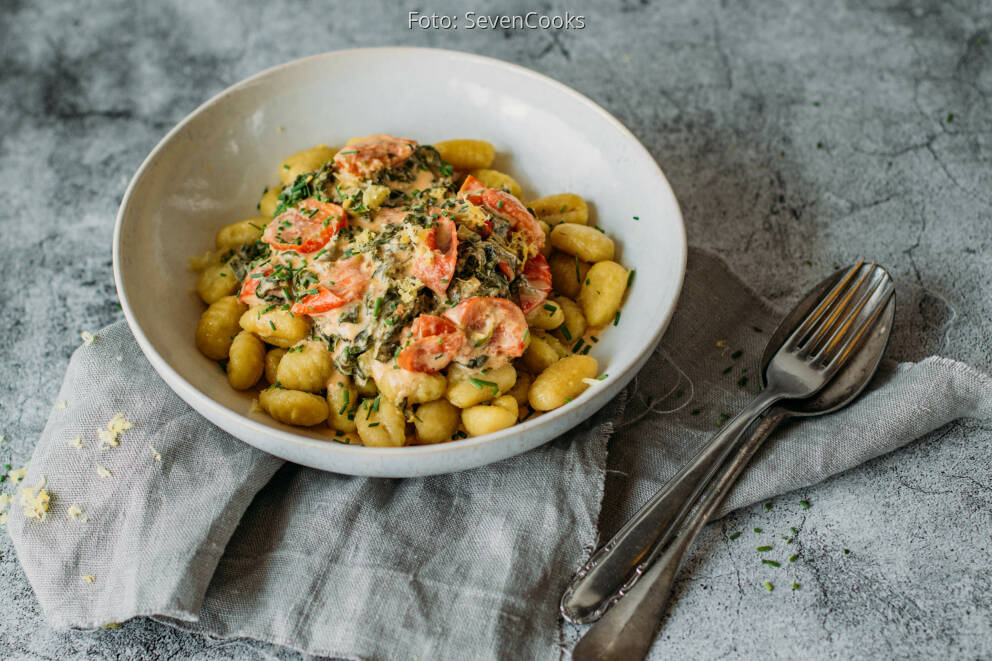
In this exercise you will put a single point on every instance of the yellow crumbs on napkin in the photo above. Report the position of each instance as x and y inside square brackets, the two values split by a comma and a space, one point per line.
[35, 501]
[88, 337]
[5, 501]
[89, 578]
[103, 472]
[18, 474]
[117, 425]
[76, 442]
[75, 512]
[155, 455]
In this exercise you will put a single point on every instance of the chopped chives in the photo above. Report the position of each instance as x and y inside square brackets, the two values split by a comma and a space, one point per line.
[768, 506]
[630, 277]
[793, 557]
[757, 530]
[771, 563]
[793, 531]
[804, 504]
[694, 412]
[565, 333]
[616, 319]
[762, 549]
[769, 586]
[735, 535]
[480, 384]
[578, 345]
[727, 370]
[795, 586]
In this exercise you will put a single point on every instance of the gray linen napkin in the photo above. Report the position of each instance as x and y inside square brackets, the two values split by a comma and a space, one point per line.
[216, 537]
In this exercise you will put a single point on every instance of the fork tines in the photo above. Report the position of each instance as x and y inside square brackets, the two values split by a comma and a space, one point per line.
[842, 317]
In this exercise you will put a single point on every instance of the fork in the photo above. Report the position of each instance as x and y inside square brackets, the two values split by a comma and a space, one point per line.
[807, 360]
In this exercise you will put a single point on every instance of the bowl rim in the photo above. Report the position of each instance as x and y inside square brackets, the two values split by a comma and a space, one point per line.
[188, 392]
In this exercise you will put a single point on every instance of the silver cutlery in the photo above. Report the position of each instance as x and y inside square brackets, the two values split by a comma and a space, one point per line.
[628, 629]
[805, 357]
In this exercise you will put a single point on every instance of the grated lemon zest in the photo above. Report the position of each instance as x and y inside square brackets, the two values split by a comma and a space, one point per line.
[35, 501]
[117, 425]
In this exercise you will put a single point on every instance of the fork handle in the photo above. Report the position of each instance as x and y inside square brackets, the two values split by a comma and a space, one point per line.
[617, 565]
[628, 630]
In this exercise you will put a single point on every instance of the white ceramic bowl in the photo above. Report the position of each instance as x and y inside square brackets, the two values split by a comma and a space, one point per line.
[210, 170]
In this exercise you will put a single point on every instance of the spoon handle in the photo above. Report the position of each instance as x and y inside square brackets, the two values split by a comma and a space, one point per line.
[617, 565]
[628, 630]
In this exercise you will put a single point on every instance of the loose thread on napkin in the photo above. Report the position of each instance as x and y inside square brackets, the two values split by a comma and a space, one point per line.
[651, 402]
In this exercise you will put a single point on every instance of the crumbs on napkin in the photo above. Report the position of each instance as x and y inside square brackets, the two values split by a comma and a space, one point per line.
[5, 501]
[76, 442]
[155, 455]
[35, 501]
[110, 436]
[88, 337]
[75, 512]
[61, 404]
[89, 578]
[103, 472]
[18, 474]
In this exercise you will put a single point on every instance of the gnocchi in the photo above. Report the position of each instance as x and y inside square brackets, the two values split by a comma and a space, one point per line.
[218, 326]
[587, 243]
[562, 382]
[466, 154]
[235, 235]
[488, 418]
[561, 208]
[436, 422]
[602, 292]
[380, 423]
[293, 407]
[306, 367]
[246, 361]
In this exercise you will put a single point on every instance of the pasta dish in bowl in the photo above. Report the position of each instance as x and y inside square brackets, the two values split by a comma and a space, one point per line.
[402, 293]
[455, 287]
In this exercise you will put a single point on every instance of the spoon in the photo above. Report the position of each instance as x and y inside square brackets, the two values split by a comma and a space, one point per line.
[627, 631]
[797, 369]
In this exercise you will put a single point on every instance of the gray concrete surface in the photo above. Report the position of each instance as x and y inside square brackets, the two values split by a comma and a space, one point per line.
[795, 136]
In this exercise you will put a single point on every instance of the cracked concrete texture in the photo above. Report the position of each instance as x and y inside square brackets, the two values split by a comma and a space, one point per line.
[796, 137]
